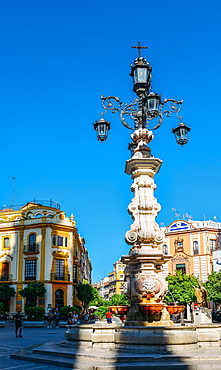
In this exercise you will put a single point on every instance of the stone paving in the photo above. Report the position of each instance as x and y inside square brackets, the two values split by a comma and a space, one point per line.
[9, 344]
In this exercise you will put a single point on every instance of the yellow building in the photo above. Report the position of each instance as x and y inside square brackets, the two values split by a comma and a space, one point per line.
[39, 243]
[191, 245]
[116, 279]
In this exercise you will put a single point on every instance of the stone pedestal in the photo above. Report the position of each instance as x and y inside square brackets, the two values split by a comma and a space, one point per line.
[141, 339]
[144, 274]
[202, 316]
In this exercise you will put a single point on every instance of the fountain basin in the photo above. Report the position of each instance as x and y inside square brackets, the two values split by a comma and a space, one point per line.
[119, 310]
[173, 310]
[151, 308]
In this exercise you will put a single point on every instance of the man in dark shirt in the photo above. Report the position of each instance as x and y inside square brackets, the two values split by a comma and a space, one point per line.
[18, 324]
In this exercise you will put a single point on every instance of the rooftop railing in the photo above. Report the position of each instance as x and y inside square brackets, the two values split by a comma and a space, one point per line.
[44, 203]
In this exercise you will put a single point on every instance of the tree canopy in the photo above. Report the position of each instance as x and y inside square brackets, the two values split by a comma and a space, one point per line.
[6, 292]
[181, 288]
[213, 287]
[86, 294]
[119, 300]
[32, 292]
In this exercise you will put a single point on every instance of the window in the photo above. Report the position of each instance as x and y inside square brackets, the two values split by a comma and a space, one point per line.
[165, 249]
[54, 239]
[180, 245]
[181, 267]
[39, 215]
[32, 242]
[60, 241]
[195, 247]
[212, 244]
[30, 269]
[5, 271]
[65, 242]
[59, 269]
[32, 239]
[6, 243]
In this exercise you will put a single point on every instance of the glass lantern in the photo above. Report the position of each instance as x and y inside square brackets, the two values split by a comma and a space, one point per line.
[102, 128]
[141, 73]
[153, 102]
[181, 133]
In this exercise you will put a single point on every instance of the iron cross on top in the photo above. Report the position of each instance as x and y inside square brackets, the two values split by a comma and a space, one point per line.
[139, 47]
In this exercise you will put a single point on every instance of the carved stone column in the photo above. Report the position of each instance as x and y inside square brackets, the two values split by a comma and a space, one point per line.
[145, 281]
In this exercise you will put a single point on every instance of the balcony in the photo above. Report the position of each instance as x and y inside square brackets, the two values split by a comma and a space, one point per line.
[6, 277]
[61, 277]
[32, 277]
[33, 248]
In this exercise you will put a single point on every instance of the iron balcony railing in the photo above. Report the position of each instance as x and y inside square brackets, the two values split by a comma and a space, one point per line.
[32, 277]
[46, 203]
[63, 277]
[6, 277]
[34, 248]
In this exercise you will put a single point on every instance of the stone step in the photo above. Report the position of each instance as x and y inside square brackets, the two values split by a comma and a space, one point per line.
[107, 361]
[87, 365]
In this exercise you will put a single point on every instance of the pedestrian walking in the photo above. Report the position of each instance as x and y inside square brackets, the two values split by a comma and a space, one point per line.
[56, 317]
[109, 317]
[18, 324]
[49, 319]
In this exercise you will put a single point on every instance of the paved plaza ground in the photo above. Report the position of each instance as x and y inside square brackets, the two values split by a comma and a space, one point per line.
[9, 344]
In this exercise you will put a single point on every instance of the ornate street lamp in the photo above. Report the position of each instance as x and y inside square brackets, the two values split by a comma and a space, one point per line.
[147, 106]
[146, 285]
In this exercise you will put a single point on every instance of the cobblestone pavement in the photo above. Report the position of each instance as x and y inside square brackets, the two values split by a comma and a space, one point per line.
[9, 344]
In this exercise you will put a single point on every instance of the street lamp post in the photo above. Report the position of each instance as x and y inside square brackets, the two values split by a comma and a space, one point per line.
[146, 286]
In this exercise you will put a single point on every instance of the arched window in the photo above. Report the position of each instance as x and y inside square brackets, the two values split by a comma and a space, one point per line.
[38, 215]
[32, 239]
[32, 242]
[165, 249]
[195, 247]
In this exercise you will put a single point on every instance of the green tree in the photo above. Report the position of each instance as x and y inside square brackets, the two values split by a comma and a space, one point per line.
[181, 288]
[2, 308]
[64, 311]
[119, 300]
[85, 293]
[96, 300]
[213, 287]
[101, 312]
[32, 292]
[35, 313]
[6, 292]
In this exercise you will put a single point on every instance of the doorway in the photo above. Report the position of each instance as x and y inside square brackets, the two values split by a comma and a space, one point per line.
[59, 298]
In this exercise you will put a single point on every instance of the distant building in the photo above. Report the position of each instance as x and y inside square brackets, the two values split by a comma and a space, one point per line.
[113, 283]
[191, 245]
[39, 243]
[217, 260]
[102, 287]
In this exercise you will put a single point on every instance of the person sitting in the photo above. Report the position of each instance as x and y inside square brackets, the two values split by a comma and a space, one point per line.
[75, 317]
[70, 318]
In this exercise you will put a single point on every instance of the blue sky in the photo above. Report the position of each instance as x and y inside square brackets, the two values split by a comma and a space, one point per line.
[57, 58]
